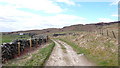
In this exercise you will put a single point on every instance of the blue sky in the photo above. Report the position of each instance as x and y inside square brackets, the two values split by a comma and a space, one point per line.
[40, 14]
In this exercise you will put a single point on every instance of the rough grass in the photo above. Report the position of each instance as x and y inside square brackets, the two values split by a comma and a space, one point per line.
[100, 50]
[37, 59]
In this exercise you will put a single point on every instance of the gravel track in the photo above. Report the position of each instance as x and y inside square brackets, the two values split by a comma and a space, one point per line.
[66, 56]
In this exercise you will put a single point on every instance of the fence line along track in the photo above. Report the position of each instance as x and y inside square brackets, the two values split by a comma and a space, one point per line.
[18, 47]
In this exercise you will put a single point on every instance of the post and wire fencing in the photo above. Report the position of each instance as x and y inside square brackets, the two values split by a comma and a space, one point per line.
[108, 33]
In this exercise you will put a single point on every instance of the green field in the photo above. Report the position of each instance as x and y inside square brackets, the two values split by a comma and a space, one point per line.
[9, 38]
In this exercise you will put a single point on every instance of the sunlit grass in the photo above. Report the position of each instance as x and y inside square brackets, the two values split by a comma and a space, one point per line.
[98, 49]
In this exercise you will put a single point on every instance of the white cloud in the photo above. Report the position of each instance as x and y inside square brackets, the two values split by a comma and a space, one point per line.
[64, 19]
[94, 0]
[40, 22]
[11, 11]
[69, 2]
[47, 6]
[115, 15]
[115, 2]
[105, 20]
[28, 21]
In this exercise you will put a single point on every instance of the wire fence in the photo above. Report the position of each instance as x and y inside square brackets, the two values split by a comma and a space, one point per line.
[108, 33]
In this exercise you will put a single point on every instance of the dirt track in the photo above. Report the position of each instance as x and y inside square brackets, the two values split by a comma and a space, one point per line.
[64, 55]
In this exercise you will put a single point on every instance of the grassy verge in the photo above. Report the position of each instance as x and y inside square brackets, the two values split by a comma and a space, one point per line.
[74, 46]
[101, 58]
[37, 59]
[63, 48]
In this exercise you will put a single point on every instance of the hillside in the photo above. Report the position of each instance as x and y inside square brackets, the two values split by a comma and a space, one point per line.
[78, 27]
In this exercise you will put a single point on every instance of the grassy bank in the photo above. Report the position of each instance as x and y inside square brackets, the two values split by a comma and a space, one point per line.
[36, 59]
[101, 51]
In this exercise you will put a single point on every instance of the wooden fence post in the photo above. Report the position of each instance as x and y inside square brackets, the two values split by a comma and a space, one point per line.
[113, 34]
[30, 43]
[18, 48]
[102, 31]
[107, 33]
